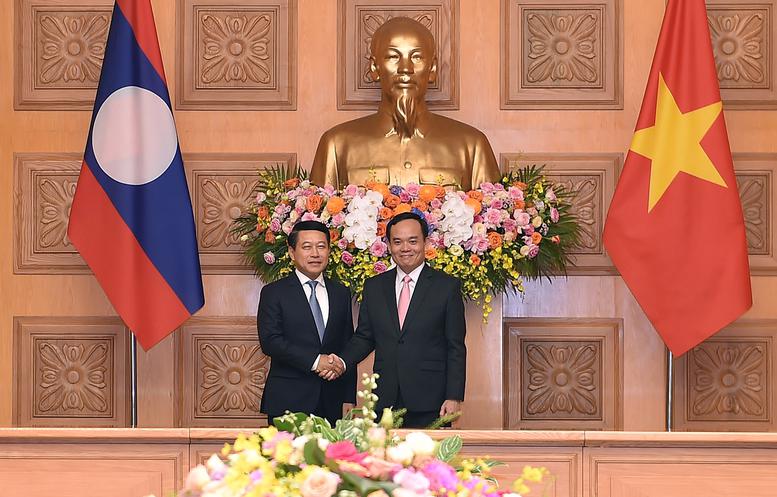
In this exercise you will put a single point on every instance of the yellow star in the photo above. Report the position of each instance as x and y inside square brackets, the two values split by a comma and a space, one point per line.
[674, 143]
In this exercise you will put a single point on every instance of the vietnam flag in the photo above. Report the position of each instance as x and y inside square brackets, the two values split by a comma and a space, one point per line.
[675, 229]
[131, 218]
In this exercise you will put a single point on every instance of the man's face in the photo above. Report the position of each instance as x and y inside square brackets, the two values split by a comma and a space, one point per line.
[404, 63]
[311, 254]
[407, 244]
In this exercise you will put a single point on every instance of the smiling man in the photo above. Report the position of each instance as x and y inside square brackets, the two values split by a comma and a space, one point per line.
[403, 142]
[413, 317]
[302, 318]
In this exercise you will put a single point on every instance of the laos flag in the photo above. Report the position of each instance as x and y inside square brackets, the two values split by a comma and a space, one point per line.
[131, 218]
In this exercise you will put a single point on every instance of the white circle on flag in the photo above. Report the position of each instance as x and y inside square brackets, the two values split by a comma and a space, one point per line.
[134, 137]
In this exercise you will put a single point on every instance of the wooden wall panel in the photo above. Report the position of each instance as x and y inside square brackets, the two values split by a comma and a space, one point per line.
[558, 56]
[727, 382]
[590, 178]
[755, 175]
[60, 48]
[358, 20]
[223, 371]
[237, 55]
[71, 372]
[743, 34]
[221, 186]
[563, 374]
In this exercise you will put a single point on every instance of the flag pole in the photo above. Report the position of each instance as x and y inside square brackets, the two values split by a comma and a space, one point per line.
[669, 396]
[134, 381]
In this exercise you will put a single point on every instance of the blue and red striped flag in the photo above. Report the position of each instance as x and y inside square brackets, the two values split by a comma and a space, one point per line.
[131, 218]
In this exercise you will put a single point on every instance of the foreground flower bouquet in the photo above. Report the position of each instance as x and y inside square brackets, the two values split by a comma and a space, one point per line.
[357, 457]
[490, 237]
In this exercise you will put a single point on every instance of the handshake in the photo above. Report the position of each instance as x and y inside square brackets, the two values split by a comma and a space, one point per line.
[330, 366]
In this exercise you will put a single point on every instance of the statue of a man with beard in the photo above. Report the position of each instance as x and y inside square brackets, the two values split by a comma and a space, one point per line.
[403, 142]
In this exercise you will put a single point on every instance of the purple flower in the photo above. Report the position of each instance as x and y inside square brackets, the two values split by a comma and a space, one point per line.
[380, 267]
[269, 258]
[347, 258]
[440, 475]
[395, 190]
[419, 212]
[275, 225]
[554, 214]
[342, 243]
[378, 248]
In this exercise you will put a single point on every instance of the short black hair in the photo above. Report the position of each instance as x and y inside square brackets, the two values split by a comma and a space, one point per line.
[307, 226]
[403, 217]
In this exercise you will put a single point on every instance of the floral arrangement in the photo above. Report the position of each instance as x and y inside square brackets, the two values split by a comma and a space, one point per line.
[489, 237]
[358, 457]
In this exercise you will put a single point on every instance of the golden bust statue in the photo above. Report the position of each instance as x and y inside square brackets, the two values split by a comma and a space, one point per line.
[403, 142]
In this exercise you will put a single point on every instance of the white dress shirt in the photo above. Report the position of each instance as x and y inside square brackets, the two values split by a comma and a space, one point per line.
[414, 274]
[321, 296]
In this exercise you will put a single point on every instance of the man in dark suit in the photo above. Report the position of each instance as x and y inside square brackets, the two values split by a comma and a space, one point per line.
[413, 317]
[302, 318]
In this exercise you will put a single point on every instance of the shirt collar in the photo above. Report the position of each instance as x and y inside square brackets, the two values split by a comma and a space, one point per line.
[414, 274]
[304, 279]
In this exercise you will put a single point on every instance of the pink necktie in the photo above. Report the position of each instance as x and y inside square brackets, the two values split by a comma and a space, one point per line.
[404, 300]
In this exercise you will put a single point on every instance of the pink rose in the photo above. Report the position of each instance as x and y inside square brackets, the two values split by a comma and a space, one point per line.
[550, 195]
[554, 214]
[494, 216]
[528, 229]
[380, 267]
[309, 216]
[435, 204]
[487, 188]
[338, 219]
[351, 190]
[347, 258]
[329, 190]
[320, 483]
[380, 469]
[342, 243]
[275, 225]
[515, 193]
[496, 204]
[522, 218]
[344, 451]
[405, 197]
[412, 189]
[534, 251]
[410, 480]
[269, 258]
[378, 248]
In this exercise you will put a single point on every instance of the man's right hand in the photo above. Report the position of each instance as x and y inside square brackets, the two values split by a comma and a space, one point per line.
[330, 367]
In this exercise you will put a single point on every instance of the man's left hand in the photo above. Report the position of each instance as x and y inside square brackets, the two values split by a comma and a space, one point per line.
[449, 407]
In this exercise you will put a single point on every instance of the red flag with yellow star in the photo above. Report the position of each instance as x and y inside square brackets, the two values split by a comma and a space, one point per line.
[675, 229]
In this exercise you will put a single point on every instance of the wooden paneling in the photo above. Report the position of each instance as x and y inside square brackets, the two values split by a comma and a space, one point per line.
[358, 20]
[71, 372]
[563, 374]
[223, 370]
[59, 52]
[237, 55]
[755, 175]
[743, 34]
[727, 382]
[222, 186]
[558, 56]
[590, 179]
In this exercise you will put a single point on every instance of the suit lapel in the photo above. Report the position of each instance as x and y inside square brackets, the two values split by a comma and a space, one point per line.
[419, 292]
[390, 294]
[301, 302]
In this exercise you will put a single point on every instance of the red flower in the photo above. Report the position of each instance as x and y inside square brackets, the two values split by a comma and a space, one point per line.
[344, 451]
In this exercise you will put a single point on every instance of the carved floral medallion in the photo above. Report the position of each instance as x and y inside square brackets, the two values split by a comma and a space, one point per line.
[232, 378]
[71, 47]
[236, 49]
[738, 41]
[73, 377]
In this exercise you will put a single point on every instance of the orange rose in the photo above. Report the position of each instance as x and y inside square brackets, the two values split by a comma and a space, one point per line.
[314, 203]
[334, 235]
[439, 192]
[474, 260]
[385, 213]
[381, 229]
[536, 238]
[335, 205]
[392, 201]
[494, 240]
[421, 205]
[430, 253]
[402, 208]
[475, 195]
[475, 204]
[269, 237]
[291, 183]
[520, 184]
[263, 212]
[520, 204]
[427, 193]
[380, 188]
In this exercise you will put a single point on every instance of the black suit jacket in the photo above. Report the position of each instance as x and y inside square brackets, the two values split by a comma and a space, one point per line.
[425, 360]
[287, 333]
